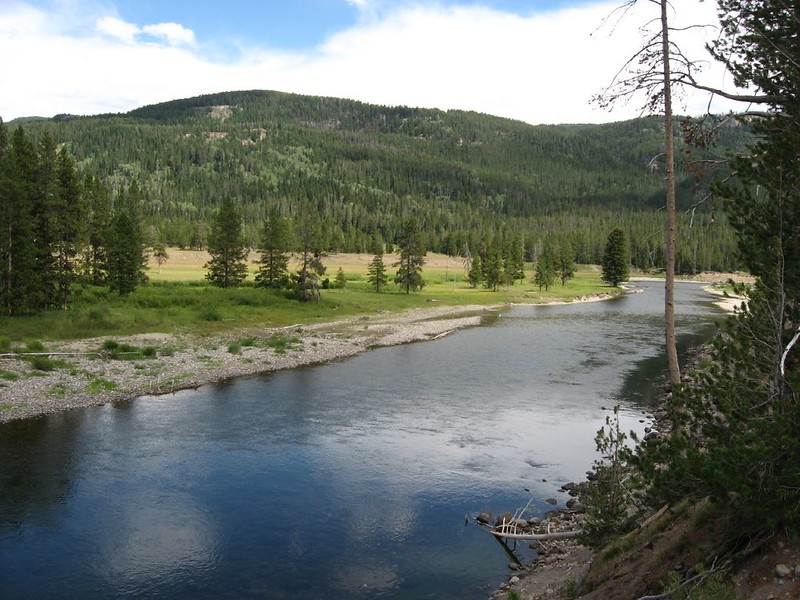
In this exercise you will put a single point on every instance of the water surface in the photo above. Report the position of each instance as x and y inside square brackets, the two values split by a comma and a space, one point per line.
[347, 480]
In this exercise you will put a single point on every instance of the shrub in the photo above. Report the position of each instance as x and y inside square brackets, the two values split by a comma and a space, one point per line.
[34, 346]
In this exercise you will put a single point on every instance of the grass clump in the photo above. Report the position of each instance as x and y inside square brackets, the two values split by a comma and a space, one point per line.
[34, 346]
[99, 385]
[280, 342]
[119, 351]
[8, 375]
[46, 364]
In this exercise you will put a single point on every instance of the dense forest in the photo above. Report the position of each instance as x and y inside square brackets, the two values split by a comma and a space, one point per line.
[468, 179]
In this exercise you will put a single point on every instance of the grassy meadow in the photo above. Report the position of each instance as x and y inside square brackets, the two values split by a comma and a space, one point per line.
[179, 300]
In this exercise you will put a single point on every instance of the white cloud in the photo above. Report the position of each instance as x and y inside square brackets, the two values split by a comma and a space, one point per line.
[174, 33]
[117, 28]
[540, 69]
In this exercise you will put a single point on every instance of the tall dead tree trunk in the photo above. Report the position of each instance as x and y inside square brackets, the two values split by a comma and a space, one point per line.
[670, 228]
[649, 71]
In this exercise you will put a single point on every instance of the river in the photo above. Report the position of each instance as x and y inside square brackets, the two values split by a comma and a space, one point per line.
[353, 479]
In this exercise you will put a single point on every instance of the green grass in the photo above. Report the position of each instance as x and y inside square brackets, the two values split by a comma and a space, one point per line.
[99, 385]
[198, 308]
[8, 375]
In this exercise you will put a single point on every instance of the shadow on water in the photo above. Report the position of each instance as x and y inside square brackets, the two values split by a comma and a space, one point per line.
[644, 384]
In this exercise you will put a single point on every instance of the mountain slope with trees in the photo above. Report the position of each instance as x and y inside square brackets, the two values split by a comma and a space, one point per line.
[466, 178]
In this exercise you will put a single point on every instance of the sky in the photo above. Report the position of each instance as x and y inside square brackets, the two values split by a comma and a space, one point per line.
[538, 61]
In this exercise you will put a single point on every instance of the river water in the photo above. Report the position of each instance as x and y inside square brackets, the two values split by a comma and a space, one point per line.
[353, 479]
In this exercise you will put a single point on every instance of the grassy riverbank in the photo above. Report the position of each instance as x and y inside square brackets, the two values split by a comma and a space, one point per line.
[178, 300]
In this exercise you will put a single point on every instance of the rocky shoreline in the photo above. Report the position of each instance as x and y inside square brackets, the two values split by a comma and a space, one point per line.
[86, 373]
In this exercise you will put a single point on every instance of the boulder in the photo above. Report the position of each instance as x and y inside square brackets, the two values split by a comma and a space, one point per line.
[484, 517]
[505, 517]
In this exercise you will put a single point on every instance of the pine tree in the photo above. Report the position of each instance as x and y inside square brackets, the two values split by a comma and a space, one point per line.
[227, 247]
[309, 238]
[412, 258]
[565, 262]
[493, 268]
[45, 220]
[341, 280]
[69, 214]
[18, 179]
[545, 273]
[514, 261]
[475, 273]
[376, 272]
[273, 270]
[126, 251]
[616, 258]
[98, 223]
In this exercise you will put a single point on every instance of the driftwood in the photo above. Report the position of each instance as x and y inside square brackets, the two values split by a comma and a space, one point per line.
[24, 354]
[541, 537]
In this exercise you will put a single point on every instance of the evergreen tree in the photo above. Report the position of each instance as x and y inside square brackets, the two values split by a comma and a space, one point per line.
[493, 268]
[475, 273]
[616, 258]
[18, 180]
[514, 261]
[376, 272]
[309, 238]
[125, 252]
[565, 262]
[227, 247]
[98, 223]
[68, 224]
[412, 258]
[45, 222]
[273, 269]
[545, 273]
[341, 280]
[125, 247]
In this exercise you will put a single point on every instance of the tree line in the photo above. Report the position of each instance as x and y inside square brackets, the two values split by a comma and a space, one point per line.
[465, 178]
[58, 228]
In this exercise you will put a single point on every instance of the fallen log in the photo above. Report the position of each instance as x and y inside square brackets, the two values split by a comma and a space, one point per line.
[539, 537]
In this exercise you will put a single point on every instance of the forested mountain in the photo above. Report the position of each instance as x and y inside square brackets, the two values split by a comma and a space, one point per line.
[466, 178]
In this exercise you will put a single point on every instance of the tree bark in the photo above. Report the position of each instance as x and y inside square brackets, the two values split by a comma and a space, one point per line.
[670, 229]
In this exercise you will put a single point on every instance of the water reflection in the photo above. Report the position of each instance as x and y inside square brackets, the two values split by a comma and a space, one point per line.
[155, 540]
[359, 471]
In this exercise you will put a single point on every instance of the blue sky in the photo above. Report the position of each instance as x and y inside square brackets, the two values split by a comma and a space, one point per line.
[539, 61]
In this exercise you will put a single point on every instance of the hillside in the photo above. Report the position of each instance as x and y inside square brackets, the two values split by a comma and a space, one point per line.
[466, 177]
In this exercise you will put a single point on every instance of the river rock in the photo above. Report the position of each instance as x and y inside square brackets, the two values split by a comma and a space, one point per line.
[505, 517]
[484, 517]
[552, 501]
[782, 571]
[575, 505]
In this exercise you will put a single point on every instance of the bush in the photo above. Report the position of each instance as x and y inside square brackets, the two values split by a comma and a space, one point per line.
[34, 346]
